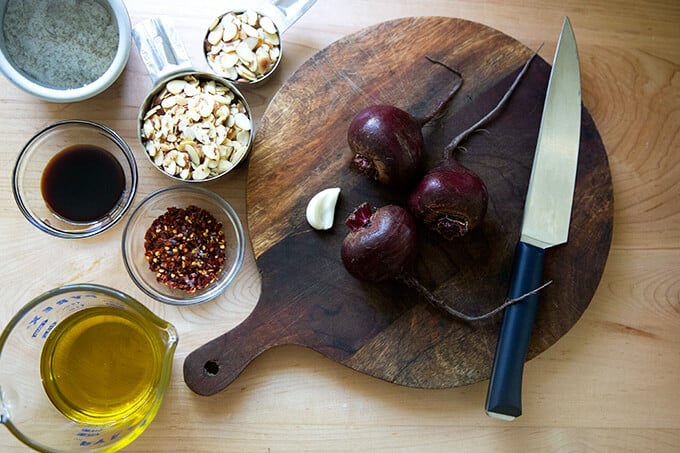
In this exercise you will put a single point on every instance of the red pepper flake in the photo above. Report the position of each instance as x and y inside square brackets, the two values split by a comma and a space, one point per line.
[185, 248]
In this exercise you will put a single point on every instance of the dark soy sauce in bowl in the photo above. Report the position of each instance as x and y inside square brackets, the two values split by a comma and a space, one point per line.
[82, 183]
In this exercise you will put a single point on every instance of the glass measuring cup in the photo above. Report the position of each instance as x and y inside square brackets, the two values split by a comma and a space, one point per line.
[83, 368]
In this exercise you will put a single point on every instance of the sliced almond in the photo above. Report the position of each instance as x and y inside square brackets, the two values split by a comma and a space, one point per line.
[224, 165]
[189, 136]
[215, 36]
[170, 168]
[251, 17]
[230, 73]
[250, 31]
[253, 43]
[190, 89]
[182, 160]
[268, 25]
[272, 39]
[201, 172]
[238, 153]
[210, 152]
[243, 137]
[152, 112]
[245, 72]
[150, 148]
[264, 61]
[244, 52]
[229, 31]
[193, 155]
[168, 102]
[158, 160]
[229, 59]
[242, 121]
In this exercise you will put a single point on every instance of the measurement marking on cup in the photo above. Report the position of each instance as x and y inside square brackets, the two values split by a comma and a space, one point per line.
[39, 327]
[49, 329]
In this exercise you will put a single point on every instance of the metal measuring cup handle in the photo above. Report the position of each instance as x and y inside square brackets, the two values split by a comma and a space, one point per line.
[284, 13]
[289, 11]
[160, 48]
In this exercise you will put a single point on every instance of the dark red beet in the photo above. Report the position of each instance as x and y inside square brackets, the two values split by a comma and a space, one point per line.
[450, 199]
[387, 143]
[381, 245]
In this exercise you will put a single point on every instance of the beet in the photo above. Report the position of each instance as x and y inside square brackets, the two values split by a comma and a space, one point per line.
[387, 141]
[450, 199]
[381, 245]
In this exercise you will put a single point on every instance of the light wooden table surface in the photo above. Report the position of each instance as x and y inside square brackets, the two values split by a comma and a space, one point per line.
[610, 384]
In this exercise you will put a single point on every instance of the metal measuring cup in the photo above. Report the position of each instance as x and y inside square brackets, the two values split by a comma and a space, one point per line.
[248, 49]
[172, 145]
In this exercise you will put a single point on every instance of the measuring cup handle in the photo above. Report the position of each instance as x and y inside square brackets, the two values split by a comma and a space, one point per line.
[290, 11]
[160, 48]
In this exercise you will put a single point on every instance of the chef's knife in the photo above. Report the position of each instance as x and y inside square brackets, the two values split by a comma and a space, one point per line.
[545, 224]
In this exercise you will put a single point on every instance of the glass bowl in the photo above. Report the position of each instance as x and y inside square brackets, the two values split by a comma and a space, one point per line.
[156, 205]
[85, 143]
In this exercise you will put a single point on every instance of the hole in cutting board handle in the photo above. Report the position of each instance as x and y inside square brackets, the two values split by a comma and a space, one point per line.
[211, 367]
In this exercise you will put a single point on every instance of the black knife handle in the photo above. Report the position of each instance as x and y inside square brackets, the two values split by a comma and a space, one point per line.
[504, 397]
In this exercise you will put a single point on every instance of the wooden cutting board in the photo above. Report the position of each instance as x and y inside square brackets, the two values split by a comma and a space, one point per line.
[387, 330]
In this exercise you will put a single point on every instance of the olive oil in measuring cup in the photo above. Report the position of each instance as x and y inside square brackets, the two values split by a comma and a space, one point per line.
[83, 367]
[101, 365]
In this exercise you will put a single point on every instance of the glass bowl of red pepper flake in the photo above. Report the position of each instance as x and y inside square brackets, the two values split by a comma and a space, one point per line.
[183, 245]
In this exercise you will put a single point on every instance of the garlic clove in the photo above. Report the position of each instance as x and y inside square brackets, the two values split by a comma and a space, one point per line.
[321, 208]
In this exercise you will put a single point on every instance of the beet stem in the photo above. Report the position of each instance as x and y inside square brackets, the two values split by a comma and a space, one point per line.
[430, 116]
[434, 300]
[493, 113]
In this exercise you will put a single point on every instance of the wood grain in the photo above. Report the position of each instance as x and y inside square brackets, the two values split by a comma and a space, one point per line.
[387, 330]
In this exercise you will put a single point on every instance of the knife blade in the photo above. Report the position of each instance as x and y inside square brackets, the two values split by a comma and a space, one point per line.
[545, 223]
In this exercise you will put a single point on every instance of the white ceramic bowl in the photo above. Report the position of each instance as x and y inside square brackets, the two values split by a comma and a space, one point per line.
[78, 93]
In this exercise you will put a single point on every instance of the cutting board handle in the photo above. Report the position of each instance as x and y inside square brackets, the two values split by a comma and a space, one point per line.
[213, 366]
